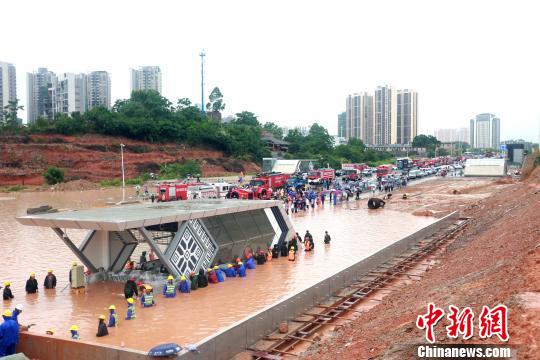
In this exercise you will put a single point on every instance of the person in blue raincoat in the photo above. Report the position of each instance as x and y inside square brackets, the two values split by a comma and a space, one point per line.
[219, 274]
[113, 317]
[230, 271]
[131, 309]
[184, 286]
[9, 334]
[241, 269]
[74, 330]
[15, 313]
[169, 290]
[250, 263]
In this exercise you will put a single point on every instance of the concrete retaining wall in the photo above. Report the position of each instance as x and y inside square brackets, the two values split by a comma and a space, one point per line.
[52, 348]
[237, 337]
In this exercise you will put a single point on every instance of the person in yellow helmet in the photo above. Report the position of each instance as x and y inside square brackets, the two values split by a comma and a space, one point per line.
[9, 332]
[113, 317]
[212, 277]
[31, 284]
[50, 280]
[184, 286]
[131, 309]
[74, 329]
[102, 328]
[169, 289]
[219, 274]
[7, 295]
[49, 331]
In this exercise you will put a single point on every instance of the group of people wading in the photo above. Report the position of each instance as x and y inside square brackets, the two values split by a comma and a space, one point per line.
[290, 248]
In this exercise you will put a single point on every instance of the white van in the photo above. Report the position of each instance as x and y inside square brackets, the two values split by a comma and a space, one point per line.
[222, 189]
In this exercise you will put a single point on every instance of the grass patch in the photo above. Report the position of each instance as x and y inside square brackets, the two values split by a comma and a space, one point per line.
[16, 188]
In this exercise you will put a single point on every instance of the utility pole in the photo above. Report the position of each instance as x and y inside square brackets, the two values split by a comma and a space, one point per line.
[202, 54]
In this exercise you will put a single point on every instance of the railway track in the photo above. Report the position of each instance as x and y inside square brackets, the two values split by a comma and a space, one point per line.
[378, 279]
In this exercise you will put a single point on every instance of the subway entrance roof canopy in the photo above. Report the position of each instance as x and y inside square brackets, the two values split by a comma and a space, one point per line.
[185, 235]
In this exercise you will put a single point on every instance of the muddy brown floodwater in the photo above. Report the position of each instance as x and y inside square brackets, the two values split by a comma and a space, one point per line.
[356, 234]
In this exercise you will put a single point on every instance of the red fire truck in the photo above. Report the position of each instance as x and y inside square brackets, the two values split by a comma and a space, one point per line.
[261, 187]
[171, 192]
[383, 170]
[316, 177]
[353, 172]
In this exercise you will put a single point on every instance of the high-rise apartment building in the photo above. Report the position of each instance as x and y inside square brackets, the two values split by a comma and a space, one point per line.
[385, 116]
[8, 85]
[485, 131]
[69, 94]
[406, 117]
[39, 94]
[342, 126]
[146, 78]
[99, 90]
[452, 135]
[360, 122]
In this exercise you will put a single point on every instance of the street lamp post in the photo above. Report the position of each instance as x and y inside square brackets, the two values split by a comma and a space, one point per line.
[123, 177]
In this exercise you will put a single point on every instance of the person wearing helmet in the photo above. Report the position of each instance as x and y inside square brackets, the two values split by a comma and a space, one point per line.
[184, 286]
[102, 328]
[219, 274]
[169, 290]
[202, 279]
[15, 313]
[50, 280]
[9, 334]
[147, 298]
[113, 317]
[130, 288]
[31, 284]
[74, 329]
[7, 295]
[230, 271]
[212, 277]
[241, 269]
[327, 237]
[131, 309]
[194, 281]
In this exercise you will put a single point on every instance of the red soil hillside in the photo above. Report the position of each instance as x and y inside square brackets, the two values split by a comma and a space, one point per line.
[95, 158]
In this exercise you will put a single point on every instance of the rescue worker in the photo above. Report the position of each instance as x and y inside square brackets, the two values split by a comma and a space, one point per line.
[31, 284]
[130, 309]
[275, 251]
[142, 259]
[184, 286]
[219, 274]
[7, 295]
[307, 244]
[201, 279]
[292, 255]
[113, 317]
[74, 329]
[147, 298]
[194, 281]
[15, 313]
[169, 289]
[130, 288]
[284, 248]
[327, 238]
[212, 277]
[50, 280]
[9, 334]
[269, 254]
[102, 328]
[241, 269]
[230, 271]
[250, 263]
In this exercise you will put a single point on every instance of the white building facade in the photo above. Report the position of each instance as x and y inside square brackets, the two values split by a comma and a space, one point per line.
[39, 94]
[69, 94]
[98, 90]
[485, 131]
[146, 78]
[8, 85]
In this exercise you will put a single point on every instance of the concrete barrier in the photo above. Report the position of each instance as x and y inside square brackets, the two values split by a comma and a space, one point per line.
[237, 337]
[53, 348]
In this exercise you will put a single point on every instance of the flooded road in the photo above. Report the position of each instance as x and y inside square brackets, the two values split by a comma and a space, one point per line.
[188, 318]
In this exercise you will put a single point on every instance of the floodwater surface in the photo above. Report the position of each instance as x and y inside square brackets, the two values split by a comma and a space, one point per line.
[356, 234]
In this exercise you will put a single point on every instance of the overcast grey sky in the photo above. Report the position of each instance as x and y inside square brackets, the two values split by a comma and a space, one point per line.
[294, 62]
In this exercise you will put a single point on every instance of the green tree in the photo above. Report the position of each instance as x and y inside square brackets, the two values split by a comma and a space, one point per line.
[425, 141]
[10, 119]
[53, 175]
[247, 118]
[179, 170]
[274, 129]
[216, 101]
